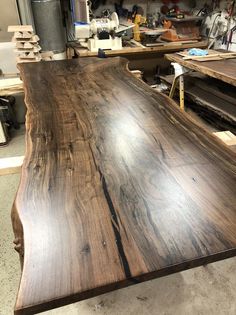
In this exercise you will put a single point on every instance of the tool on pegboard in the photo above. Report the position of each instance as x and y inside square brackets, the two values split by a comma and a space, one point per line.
[231, 33]
[227, 38]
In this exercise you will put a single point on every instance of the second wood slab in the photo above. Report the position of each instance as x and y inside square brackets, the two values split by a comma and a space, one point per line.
[118, 185]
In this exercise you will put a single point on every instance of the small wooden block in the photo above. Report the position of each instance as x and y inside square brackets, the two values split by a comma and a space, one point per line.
[27, 35]
[28, 50]
[33, 39]
[18, 35]
[47, 57]
[28, 55]
[39, 47]
[11, 165]
[28, 45]
[47, 54]
[22, 60]
[19, 45]
[226, 136]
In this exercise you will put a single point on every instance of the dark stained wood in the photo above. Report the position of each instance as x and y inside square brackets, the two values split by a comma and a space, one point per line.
[118, 186]
[224, 70]
[207, 97]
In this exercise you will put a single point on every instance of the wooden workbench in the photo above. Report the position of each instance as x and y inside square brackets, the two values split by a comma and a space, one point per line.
[224, 70]
[117, 187]
[127, 51]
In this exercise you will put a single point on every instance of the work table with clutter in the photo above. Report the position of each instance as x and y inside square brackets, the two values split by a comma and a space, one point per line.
[137, 30]
[164, 26]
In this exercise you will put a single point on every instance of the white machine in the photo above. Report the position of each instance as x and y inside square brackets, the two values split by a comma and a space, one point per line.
[99, 33]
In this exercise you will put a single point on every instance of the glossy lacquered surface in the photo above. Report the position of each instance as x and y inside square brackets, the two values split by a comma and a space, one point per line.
[118, 186]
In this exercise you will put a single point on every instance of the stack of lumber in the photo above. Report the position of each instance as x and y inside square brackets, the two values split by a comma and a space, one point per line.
[207, 97]
[27, 47]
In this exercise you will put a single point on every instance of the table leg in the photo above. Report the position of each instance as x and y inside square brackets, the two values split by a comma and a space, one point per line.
[173, 88]
[181, 92]
[179, 75]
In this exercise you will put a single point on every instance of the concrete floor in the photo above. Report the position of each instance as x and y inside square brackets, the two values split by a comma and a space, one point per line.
[207, 290]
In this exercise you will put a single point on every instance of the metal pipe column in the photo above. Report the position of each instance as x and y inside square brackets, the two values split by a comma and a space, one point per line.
[49, 25]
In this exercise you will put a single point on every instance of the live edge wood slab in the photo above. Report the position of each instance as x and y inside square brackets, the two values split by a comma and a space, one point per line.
[118, 186]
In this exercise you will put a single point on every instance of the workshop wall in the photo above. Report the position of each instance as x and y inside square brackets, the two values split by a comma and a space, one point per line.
[8, 16]
[147, 6]
[218, 23]
[215, 25]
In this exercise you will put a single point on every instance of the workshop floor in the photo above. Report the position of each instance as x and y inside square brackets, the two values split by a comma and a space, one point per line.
[204, 290]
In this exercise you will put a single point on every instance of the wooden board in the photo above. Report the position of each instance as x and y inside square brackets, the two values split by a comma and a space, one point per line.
[20, 28]
[163, 48]
[224, 70]
[213, 55]
[10, 86]
[118, 186]
[33, 40]
[11, 165]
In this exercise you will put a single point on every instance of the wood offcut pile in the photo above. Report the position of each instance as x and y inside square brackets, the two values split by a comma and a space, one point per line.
[27, 46]
[26, 41]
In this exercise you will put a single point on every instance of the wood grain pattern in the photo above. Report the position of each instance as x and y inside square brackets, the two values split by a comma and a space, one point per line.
[224, 70]
[207, 97]
[118, 186]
